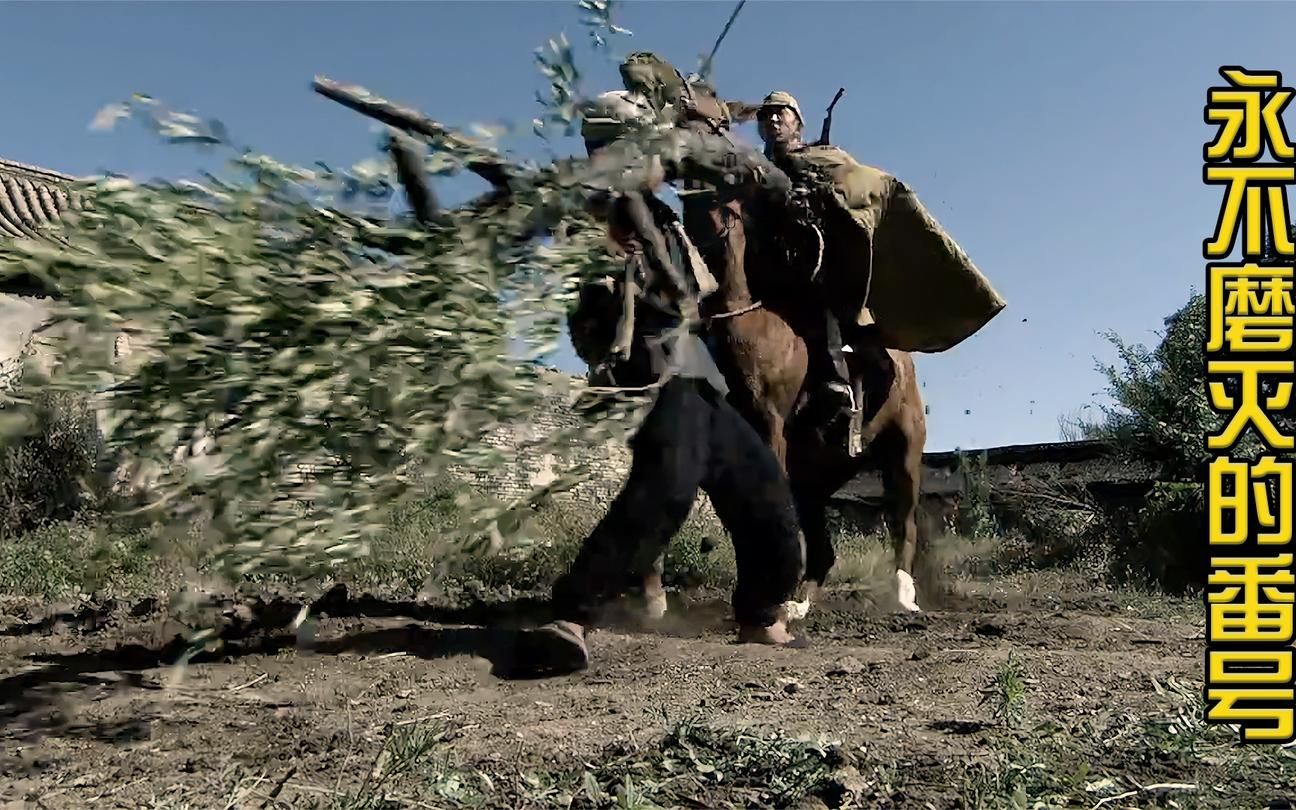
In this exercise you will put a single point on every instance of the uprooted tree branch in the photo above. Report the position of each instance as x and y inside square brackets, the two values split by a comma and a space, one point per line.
[284, 323]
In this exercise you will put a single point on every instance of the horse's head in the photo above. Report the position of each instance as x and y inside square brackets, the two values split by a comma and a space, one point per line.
[714, 215]
[721, 221]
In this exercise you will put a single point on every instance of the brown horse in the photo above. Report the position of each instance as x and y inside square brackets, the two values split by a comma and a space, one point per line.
[761, 346]
[758, 325]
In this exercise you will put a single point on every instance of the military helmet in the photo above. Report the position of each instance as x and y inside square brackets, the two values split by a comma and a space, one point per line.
[782, 98]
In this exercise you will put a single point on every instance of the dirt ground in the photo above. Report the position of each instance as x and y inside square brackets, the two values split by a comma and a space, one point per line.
[90, 717]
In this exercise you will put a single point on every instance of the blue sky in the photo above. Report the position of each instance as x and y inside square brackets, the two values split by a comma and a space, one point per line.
[1058, 143]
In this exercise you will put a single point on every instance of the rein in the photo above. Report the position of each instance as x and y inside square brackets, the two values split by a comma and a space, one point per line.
[818, 265]
[721, 240]
[736, 312]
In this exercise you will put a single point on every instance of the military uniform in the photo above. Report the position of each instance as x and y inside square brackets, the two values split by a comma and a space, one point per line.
[892, 268]
[828, 359]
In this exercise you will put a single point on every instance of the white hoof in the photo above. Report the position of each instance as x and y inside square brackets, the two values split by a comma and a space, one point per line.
[796, 611]
[654, 607]
[906, 592]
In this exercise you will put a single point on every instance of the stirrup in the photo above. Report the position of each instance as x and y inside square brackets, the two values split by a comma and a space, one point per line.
[855, 429]
[846, 389]
[855, 436]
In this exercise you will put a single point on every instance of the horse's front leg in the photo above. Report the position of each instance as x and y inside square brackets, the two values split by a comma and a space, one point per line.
[654, 593]
[812, 513]
[906, 477]
[775, 425]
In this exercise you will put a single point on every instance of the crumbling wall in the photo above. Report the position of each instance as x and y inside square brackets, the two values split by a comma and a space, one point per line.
[525, 467]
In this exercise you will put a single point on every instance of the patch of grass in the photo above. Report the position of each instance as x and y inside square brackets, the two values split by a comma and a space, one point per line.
[775, 769]
[864, 562]
[413, 555]
[701, 555]
[1172, 759]
[692, 763]
[1006, 693]
[1119, 761]
[65, 559]
[405, 750]
[943, 568]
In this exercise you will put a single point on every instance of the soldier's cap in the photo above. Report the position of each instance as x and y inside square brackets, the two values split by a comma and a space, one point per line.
[782, 98]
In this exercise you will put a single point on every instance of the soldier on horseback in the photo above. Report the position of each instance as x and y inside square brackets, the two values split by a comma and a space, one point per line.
[889, 276]
[781, 125]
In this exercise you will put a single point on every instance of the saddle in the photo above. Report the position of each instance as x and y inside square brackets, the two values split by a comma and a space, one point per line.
[796, 235]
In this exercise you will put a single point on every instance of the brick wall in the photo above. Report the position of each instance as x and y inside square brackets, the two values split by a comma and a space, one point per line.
[525, 467]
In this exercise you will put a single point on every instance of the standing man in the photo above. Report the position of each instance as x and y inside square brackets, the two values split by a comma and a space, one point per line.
[692, 438]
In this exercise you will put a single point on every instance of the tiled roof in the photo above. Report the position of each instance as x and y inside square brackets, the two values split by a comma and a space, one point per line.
[31, 199]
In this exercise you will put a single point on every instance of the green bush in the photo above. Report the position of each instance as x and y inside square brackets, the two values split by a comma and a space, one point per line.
[62, 560]
[976, 516]
[1161, 415]
[284, 320]
[1162, 545]
[1161, 411]
[50, 458]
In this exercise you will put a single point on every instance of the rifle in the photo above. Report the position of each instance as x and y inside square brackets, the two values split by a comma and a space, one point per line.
[704, 70]
[826, 129]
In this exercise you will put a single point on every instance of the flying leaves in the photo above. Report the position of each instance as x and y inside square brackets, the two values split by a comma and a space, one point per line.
[597, 17]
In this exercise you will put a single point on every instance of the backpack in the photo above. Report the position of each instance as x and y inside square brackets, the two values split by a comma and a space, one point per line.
[652, 77]
[657, 80]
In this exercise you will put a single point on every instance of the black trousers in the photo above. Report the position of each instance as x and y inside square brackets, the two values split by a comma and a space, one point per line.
[828, 358]
[693, 438]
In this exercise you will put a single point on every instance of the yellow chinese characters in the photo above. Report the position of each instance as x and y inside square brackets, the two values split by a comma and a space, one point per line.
[1264, 488]
[1251, 606]
[1248, 111]
[1252, 689]
[1250, 308]
[1250, 120]
[1252, 600]
[1246, 183]
[1250, 370]
[1249, 406]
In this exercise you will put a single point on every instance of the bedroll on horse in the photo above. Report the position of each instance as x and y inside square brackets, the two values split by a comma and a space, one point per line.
[891, 260]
